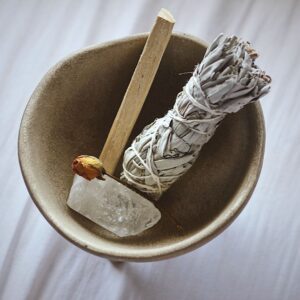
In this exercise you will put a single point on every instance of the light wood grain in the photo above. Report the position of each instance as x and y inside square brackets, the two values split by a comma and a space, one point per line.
[137, 90]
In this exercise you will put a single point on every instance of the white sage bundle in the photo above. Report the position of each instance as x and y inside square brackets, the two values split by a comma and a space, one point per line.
[224, 82]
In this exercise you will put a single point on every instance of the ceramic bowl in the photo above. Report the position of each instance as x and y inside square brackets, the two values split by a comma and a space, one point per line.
[71, 112]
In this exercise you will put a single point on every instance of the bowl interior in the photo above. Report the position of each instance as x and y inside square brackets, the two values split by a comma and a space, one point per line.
[70, 113]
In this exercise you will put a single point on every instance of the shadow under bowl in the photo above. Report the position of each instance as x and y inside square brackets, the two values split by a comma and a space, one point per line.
[70, 113]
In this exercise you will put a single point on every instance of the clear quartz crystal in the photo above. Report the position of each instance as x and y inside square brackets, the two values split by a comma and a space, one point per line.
[112, 205]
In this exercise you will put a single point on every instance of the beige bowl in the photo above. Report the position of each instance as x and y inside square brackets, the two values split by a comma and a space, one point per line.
[70, 113]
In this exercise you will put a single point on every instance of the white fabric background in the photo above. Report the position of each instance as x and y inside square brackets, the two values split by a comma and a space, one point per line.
[255, 258]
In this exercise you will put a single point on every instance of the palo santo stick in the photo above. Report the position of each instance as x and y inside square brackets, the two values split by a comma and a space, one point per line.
[137, 90]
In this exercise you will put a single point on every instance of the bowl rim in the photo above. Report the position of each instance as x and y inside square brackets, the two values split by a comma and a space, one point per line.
[214, 228]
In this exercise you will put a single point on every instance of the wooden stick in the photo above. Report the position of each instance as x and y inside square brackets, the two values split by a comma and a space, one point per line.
[137, 90]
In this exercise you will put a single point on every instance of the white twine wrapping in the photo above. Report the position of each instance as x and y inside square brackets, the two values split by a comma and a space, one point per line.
[224, 82]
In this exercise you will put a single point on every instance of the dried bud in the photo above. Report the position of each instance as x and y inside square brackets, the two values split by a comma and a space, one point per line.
[89, 167]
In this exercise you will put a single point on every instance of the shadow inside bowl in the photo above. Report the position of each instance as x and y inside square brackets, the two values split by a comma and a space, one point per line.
[71, 112]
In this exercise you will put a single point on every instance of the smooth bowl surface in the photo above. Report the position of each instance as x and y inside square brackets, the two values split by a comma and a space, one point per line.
[71, 112]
